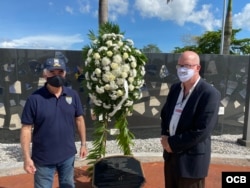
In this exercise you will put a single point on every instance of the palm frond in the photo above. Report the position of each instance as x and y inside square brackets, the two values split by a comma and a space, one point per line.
[109, 27]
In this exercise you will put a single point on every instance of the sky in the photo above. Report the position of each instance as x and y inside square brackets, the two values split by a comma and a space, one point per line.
[65, 24]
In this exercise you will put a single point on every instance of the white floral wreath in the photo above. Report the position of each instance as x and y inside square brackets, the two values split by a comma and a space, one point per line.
[114, 72]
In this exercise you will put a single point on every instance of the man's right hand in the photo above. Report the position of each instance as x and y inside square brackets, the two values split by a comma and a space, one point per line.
[29, 166]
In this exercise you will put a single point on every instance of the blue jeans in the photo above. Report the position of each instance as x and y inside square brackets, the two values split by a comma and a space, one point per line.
[44, 175]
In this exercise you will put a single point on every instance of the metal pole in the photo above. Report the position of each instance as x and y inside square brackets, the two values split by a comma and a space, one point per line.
[223, 28]
[245, 141]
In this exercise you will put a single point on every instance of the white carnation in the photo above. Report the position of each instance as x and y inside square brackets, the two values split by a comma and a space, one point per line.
[109, 53]
[138, 51]
[117, 59]
[97, 62]
[114, 66]
[127, 48]
[89, 86]
[89, 59]
[131, 79]
[93, 77]
[125, 68]
[106, 68]
[119, 93]
[103, 48]
[98, 71]
[99, 90]
[143, 72]
[108, 77]
[87, 75]
[107, 87]
[131, 87]
[120, 81]
[90, 52]
[106, 106]
[133, 73]
[109, 43]
[129, 103]
[120, 43]
[113, 86]
[124, 75]
[133, 64]
[106, 61]
[96, 56]
[125, 56]
[131, 42]
[113, 96]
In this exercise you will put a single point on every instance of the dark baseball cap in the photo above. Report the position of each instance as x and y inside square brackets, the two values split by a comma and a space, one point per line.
[55, 63]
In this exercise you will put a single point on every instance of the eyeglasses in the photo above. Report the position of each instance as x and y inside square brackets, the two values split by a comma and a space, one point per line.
[188, 66]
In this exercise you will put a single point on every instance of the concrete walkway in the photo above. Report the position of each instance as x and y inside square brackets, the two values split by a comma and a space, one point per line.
[152, 165]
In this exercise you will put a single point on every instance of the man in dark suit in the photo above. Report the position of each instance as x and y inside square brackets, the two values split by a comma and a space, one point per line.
[188, 119]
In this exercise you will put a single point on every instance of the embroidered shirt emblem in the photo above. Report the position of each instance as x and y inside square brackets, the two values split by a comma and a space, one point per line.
[68, 99]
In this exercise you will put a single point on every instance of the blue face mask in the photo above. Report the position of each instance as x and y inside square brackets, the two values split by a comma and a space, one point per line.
[56, 81]
[185, 74]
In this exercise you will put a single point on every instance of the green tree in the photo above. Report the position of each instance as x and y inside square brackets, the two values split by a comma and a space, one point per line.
[228, 31]
[151, 48]
[209, 43]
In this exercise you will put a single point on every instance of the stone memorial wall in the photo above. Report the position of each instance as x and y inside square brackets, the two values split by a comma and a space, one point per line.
[21, 74]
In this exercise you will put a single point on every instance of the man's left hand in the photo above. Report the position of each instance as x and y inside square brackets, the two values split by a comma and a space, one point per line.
[165, 144]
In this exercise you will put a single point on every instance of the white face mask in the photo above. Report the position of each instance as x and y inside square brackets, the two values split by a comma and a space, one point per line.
[185, 74]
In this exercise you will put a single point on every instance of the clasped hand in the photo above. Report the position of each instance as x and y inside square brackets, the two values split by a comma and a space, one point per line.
[165, 144]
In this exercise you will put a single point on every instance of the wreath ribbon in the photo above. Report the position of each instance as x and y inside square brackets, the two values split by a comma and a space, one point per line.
[124, 98]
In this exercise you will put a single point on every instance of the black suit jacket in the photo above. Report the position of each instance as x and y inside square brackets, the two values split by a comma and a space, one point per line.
[191, 144]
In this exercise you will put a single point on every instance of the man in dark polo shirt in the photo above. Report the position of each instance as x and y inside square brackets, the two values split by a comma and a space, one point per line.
[49, 118]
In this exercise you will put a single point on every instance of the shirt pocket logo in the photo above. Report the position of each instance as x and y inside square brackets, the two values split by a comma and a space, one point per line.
[68, 99]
